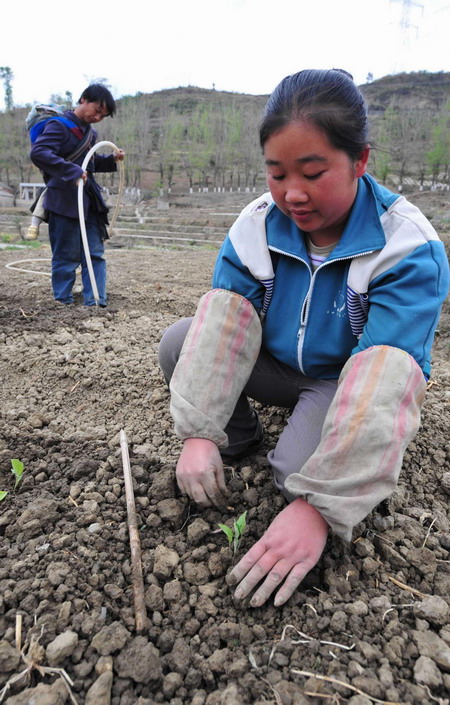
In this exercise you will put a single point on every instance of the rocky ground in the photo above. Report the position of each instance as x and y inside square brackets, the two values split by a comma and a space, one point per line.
[370, 624]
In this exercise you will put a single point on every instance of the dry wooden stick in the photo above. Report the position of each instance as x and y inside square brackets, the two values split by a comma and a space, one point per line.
[135, 544]
[428, 532]
[335, 698]
[406, 587]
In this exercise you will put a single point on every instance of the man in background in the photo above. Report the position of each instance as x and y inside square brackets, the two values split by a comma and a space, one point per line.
[53, 153]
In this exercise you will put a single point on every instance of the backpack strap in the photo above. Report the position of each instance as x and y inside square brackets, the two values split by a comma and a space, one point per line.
[84, 143]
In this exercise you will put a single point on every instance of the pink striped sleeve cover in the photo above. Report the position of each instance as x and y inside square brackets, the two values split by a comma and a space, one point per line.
[374, 415]
[216, 360]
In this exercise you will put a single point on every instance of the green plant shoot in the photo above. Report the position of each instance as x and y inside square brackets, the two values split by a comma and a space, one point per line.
[239, 528]
[228, 532]
[17, 470]
[234, 535]
[2, 494]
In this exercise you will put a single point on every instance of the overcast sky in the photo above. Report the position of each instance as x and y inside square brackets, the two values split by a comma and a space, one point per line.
[246, 46]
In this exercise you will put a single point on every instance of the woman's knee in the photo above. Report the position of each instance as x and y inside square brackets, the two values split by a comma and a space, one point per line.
[171, 344]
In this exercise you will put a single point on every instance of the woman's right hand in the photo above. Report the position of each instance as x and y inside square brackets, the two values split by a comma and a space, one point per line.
[287, 551]
[200, 473]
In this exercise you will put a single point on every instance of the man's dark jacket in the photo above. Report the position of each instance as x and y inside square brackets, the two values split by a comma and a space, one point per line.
[54, 144]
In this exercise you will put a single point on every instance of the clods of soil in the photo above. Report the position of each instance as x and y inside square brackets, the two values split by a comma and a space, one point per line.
[371, 623]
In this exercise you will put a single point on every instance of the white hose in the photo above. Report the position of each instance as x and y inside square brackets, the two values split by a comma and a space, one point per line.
[10, 265]
[87, 253]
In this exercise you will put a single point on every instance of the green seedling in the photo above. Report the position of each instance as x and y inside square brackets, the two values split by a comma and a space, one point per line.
[17, 470]
[234, 535]
[2, 494]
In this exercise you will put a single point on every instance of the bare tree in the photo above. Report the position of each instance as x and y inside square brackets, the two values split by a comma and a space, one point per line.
[130, 130]
[7, 75]
[382, 156]
[200, 145]
[169, 143]
[439, 155]
[252, 162]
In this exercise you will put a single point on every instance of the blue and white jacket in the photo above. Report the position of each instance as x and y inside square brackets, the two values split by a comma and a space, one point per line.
[383, 283]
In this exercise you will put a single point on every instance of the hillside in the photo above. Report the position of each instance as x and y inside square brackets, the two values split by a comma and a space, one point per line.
[422, 90]
[190, 137]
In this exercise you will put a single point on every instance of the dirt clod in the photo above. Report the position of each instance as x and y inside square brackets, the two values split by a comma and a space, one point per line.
[375, 613]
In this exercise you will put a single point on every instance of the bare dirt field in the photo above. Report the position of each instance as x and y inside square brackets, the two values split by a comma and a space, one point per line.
[370, 624]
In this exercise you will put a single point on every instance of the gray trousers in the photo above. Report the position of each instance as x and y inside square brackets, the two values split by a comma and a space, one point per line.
[274, 384]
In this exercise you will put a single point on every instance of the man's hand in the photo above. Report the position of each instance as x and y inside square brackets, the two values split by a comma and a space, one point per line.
[119, 155]
[291, 547]
[83, 177]
[200, 473]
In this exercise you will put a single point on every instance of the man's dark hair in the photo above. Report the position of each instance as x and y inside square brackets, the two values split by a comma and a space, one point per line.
[98, 93]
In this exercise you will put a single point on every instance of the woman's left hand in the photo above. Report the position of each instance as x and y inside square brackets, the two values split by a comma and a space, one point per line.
[119, 155]
[289, 549]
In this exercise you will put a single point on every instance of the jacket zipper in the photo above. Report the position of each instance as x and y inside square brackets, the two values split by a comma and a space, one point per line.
[307, 302]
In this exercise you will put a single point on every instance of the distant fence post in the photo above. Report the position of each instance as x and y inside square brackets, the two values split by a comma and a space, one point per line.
[28, 192]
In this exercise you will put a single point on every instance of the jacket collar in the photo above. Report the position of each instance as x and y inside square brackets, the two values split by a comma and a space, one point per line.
[70, 114]
[362, 233]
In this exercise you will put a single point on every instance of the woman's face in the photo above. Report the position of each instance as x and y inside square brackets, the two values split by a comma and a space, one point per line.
[312, 182]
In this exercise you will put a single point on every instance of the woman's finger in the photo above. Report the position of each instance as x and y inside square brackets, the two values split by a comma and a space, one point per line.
[212, 489]
[291, 583]
[198, 494]
[275, 576]
[255, 575]
[246, 563]
[181, 486]
[220, 476]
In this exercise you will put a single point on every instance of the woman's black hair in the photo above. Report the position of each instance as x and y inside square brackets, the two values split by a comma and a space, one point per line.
[328, 99]
[98, 93]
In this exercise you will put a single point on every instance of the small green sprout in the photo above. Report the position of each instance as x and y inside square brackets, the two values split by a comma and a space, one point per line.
[2, 494]
[234, 535]
[17, 470]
